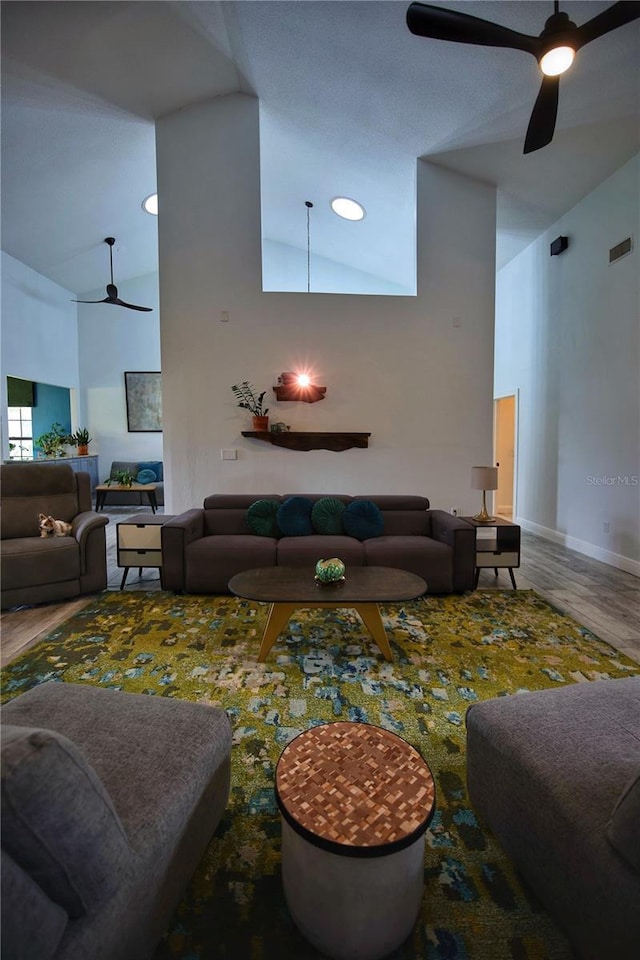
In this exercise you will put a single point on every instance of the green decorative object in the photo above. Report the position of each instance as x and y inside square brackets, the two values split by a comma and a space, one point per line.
[329, 571]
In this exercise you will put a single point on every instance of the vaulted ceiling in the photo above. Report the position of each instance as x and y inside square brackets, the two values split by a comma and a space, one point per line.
[348, 99]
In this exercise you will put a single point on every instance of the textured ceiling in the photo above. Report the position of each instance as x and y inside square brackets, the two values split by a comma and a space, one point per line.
[348, 99]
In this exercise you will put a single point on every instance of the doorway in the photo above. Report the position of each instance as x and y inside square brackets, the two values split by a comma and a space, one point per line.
[504, 432]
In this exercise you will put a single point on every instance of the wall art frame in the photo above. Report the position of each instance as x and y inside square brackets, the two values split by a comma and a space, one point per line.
[143, 392]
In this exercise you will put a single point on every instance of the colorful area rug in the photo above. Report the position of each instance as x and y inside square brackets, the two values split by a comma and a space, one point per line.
[448, 653]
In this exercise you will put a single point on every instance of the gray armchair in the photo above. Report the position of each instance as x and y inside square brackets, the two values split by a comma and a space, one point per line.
[35, 569]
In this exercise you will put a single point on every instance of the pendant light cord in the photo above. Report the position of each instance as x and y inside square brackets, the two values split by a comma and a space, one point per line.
[308, 205]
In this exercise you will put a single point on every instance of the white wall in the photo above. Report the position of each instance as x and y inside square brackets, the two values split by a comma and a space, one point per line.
[39, 336]
[415, 371]
[568, 338]
[48, 338]
[284, 269]
[113, 340]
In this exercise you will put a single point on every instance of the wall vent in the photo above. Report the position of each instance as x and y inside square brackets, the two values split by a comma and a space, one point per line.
[620, 250]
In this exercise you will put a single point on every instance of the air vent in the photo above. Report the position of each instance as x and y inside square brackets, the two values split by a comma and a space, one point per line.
[620, 250]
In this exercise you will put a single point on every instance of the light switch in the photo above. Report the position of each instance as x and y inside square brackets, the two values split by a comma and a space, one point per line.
[229, 454]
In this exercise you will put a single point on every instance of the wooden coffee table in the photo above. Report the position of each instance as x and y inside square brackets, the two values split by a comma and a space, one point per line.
[104, 488]
[288, 588]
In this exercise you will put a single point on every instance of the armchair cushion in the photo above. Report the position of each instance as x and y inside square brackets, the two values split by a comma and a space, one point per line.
[622, 828]
[58, 822]
[22, 900]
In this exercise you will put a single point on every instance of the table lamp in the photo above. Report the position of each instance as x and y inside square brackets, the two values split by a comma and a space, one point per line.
[484, 478]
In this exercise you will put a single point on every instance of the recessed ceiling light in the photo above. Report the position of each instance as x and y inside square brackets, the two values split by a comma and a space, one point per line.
[347, 208]
[150, 204]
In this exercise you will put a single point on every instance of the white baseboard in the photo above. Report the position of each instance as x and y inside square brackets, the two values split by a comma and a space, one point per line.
[582, 546]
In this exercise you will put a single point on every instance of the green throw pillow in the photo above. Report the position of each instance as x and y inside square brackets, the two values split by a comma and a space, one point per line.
[326, 515]
[362, 519]
[261, 517]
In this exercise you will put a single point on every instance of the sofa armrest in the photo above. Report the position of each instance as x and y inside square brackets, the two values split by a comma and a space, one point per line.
[176, 535]
[83, 525]
[461, 536]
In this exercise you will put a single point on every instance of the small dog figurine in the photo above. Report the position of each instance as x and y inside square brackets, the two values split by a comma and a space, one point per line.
[53, 528]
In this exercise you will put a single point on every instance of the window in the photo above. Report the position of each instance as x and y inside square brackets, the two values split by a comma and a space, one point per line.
[20, 433]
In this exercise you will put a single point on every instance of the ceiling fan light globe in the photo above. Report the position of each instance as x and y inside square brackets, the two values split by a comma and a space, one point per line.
[557, 60]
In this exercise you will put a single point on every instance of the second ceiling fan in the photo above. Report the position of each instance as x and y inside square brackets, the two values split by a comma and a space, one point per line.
[112, 291]
[554, 48]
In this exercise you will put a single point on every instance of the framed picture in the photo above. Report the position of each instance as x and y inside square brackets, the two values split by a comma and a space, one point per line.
[144, 401]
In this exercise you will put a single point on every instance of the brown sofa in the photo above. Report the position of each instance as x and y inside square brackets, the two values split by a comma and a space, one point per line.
[203, 548]
[36, 569]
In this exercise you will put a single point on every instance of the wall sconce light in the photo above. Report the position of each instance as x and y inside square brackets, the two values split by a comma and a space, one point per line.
[298, 386]
[484, 478]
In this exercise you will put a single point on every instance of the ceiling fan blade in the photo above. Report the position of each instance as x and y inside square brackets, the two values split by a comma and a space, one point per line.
[106, 300]
[440, 24]
[543, 118]
[130, 306]
[610, 19]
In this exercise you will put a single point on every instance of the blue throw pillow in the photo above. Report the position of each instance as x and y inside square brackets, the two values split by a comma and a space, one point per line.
[362, 519]
[326, 515]
[294, 517]
[155, 465]
[146, 476]
[262, 518]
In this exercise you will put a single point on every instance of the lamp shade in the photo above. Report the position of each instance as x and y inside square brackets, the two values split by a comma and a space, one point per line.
[484, 478]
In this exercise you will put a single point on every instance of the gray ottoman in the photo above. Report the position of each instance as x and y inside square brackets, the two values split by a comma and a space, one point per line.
[109, 801]
[355, 802]
[556, 776]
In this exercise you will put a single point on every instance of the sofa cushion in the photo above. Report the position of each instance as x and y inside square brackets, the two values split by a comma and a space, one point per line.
[326, 515]
[262, 518]
[155, 466]
[294, 517]
[423, 556]
[623, 829]
[58, 821]
[210, 562]
[362, 519]
[146, 476]
[299, 551]
[23, 902]
[31, 561]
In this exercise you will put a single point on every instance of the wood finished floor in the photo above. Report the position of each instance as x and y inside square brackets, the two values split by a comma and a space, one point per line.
[600, 597]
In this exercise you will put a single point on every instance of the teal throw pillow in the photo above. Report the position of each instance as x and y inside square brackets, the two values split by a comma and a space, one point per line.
[362, 519]
[326, 515]
[294, 517]
[262, 518]
[146, 476]
[155, 465]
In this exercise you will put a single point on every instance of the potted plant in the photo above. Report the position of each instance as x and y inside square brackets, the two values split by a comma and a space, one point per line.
[53, 442]
[81, 439]
[249, 400]
[121, 478]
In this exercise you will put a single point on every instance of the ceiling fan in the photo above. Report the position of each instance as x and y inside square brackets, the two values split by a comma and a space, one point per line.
[112, 290]
[554, 49]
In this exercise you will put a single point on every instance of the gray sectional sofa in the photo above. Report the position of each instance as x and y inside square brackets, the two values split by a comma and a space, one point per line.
[105, 817]
[203, 548]
[123, 498]
[556, 776]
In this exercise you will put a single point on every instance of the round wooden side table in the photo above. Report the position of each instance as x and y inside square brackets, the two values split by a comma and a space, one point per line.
[356, 801]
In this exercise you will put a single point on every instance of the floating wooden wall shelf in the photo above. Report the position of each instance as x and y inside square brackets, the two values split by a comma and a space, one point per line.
[309, 440]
